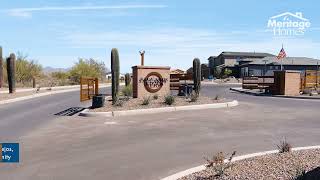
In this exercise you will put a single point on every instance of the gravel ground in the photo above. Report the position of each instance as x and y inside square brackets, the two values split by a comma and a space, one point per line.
[274, 166]
[134, 103]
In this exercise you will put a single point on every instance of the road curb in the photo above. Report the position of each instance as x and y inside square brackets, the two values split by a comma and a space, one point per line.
[52, 88]
[40, 95]
[86, 112]
[237, 158]
[240, 90]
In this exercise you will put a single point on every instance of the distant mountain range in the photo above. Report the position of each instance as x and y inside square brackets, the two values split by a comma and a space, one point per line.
[48, 70]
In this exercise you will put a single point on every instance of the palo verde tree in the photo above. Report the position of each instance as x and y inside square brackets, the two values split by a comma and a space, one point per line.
[87, 68]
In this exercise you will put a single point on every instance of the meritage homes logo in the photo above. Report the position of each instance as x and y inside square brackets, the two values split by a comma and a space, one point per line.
[288, 24]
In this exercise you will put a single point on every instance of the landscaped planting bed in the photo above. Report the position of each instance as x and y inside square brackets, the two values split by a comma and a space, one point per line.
[269, 167]
[135, 103]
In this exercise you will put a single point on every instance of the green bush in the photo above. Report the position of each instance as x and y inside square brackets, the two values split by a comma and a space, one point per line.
[217, 72]
[156, 96]
[87, 68]
[60, 75]
[119, 103]
[146, 101]
[127, 90]
[169, 100]
[227, 72]
[60, 78]
[284, 146]
[194, 97]
[217, 164]
[26, 69]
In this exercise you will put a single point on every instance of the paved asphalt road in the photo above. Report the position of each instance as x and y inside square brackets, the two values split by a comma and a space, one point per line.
[19, 118]
[154, 146]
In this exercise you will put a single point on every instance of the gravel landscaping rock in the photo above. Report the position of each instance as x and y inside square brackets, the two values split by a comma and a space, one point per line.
[134, 103]
[270, 167]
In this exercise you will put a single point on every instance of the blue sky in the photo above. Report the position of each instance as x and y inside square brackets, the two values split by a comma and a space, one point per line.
[173, 32]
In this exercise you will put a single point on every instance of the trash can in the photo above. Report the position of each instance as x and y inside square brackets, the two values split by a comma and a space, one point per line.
[185, 90]
[98, 101]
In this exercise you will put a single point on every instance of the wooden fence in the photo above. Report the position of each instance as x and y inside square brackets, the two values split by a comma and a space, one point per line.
[88, 88]
[309, 79]
[258, 82]
[178, 80]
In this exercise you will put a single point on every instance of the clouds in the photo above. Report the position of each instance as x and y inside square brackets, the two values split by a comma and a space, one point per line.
[27, 12]
[177, 47]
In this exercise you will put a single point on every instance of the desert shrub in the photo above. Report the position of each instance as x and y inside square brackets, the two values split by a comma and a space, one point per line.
[217, 72]
[218, 165]
[89, 68]
[60, 75]
[60, 78]
[156, 96]
[146, 101]
[169, 99]
[127, 90]
[194, 97]
[126, 98]
[227, 72]
[26, 69]
[119, 103]
[284, 146]
[217, 97]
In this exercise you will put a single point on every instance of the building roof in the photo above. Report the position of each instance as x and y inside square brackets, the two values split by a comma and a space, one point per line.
[177, 71]
[212, 57]
[247, 54]
[285, 61]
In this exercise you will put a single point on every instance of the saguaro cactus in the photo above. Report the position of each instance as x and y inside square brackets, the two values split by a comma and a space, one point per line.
[197, 75]
[11, 70]
[33, 82]
[1, 68]
[127, 79]
[115, 73]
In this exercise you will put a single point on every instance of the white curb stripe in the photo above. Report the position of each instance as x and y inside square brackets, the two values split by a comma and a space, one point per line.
[237, 158]
[86, 112]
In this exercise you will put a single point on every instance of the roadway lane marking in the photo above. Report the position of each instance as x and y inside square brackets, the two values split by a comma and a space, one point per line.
[110, 123]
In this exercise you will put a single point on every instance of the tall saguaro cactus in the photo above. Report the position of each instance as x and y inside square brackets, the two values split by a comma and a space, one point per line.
[197, 75]
[115, 73]
[11, 70]
[127, 79]
[1, 68]
[33, 82]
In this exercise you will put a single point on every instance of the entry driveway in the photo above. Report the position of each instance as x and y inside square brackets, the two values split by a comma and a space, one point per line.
[154, 146]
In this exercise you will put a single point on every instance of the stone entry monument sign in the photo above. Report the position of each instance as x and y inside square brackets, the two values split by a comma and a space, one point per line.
[148, 80]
